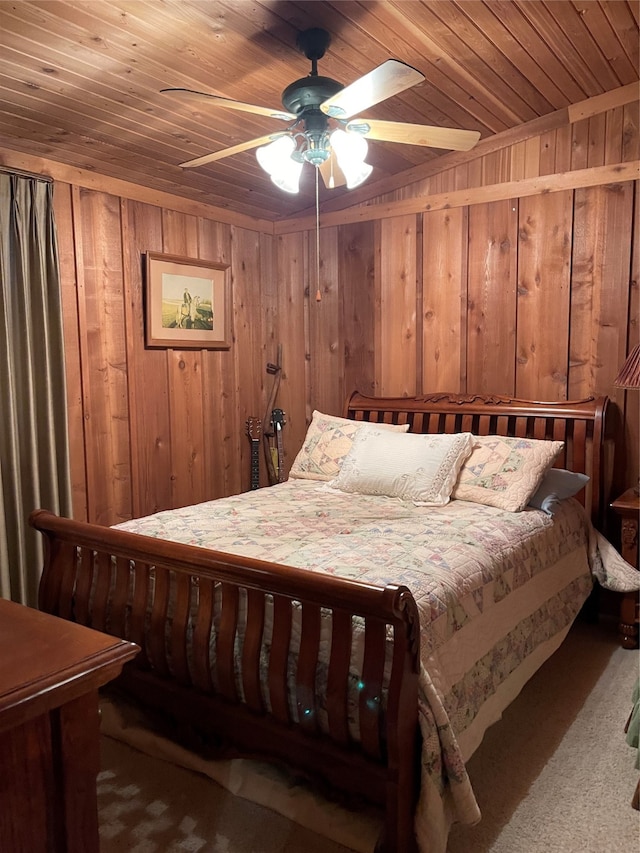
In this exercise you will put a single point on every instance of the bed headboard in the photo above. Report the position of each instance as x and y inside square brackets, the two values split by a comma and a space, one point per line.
[579, 423]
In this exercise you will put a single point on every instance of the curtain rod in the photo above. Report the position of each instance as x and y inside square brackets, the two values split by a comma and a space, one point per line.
[23, 174]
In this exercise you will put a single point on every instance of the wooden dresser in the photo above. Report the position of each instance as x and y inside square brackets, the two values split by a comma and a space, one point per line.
[50, 672]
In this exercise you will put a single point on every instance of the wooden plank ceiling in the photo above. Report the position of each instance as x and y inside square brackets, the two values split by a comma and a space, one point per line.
[80, 81]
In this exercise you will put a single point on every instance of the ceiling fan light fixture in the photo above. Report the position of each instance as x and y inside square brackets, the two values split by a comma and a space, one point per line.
[274, 156]
[289, 180]
[357, 174]
[351, 151]
[277, 159]
[316, 150]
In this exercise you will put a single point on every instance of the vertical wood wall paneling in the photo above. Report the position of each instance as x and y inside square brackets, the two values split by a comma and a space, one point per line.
[148, 375]
[325, 355]
[248, 351]
[445, 240]
[312, 277]
[544, 258]
[629, 151]
[563, 149]
[104, 357]
[547, 164]
[597, 140]
[474, 172]
[580, 144]
[357, 290]
[292, 282]
[186, 407]
[180, 237]
[614, 125]
[270, 335]
[63, 212]
[220, 414]
[531, 157]
[493, 257]
[495, 167]
[631, 475]
[518, 159]
[396, 308]
[631, 132]
[420, 387]
[600, 288]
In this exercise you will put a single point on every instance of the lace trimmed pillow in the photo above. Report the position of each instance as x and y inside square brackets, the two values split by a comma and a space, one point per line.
[328, 440]
[419, 468]
[505, 472]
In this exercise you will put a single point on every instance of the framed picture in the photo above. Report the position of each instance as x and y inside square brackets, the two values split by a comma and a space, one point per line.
[188, 303]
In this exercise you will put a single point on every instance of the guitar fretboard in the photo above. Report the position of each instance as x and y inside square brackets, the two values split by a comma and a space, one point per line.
[254, 431]
[278, 421]
[255, 463]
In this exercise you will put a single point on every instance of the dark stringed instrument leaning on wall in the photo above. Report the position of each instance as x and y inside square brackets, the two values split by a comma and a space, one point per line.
[278, 420]
[274, 370]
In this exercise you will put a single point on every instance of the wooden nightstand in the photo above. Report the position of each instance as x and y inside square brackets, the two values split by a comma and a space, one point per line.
[628, 508]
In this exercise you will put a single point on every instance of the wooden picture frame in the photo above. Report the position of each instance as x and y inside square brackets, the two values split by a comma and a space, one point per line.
[188, 303]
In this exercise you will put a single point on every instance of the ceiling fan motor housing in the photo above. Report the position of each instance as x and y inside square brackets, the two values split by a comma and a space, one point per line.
[309, 91]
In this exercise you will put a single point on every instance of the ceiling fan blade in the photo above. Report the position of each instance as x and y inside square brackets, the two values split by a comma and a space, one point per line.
[332, 174]
[229, 103]
[415, 134]
[386, 80]
[235, 149]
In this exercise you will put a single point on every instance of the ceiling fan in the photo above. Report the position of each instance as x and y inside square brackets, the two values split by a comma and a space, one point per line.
[322, 130]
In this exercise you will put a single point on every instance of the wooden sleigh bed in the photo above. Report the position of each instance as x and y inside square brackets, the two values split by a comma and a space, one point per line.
[200, 617]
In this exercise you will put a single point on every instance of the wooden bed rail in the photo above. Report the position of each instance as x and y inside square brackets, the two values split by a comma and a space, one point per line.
[579, 423]
[240, 641]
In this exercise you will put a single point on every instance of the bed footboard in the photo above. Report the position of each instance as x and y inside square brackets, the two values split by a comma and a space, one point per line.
[313, 670]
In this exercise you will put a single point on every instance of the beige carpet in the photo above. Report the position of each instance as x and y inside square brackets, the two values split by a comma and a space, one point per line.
[555, 774]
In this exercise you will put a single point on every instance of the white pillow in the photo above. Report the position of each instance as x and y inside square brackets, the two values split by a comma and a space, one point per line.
[326, 444]
[418, 468]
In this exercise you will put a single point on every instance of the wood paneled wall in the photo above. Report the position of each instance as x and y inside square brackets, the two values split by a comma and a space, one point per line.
[459, 283]
[485, 278]
[155, 428]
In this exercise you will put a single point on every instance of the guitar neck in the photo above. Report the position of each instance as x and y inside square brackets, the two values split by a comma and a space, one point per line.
[255, 463]
[278, 421]
[280, 454]
[254, 431]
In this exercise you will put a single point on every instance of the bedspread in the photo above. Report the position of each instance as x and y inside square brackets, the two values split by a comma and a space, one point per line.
[496, 592]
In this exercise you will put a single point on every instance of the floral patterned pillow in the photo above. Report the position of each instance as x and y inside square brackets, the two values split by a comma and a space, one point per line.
[328, 440]
[505, 472]
[419, 468]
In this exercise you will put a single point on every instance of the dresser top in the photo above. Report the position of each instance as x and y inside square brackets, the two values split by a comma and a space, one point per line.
[46, 661]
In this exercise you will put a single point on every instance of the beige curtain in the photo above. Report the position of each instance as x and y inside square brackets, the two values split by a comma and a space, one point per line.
[34, 456]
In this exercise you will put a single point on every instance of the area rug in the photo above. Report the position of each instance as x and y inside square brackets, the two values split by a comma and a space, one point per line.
[555, 774]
